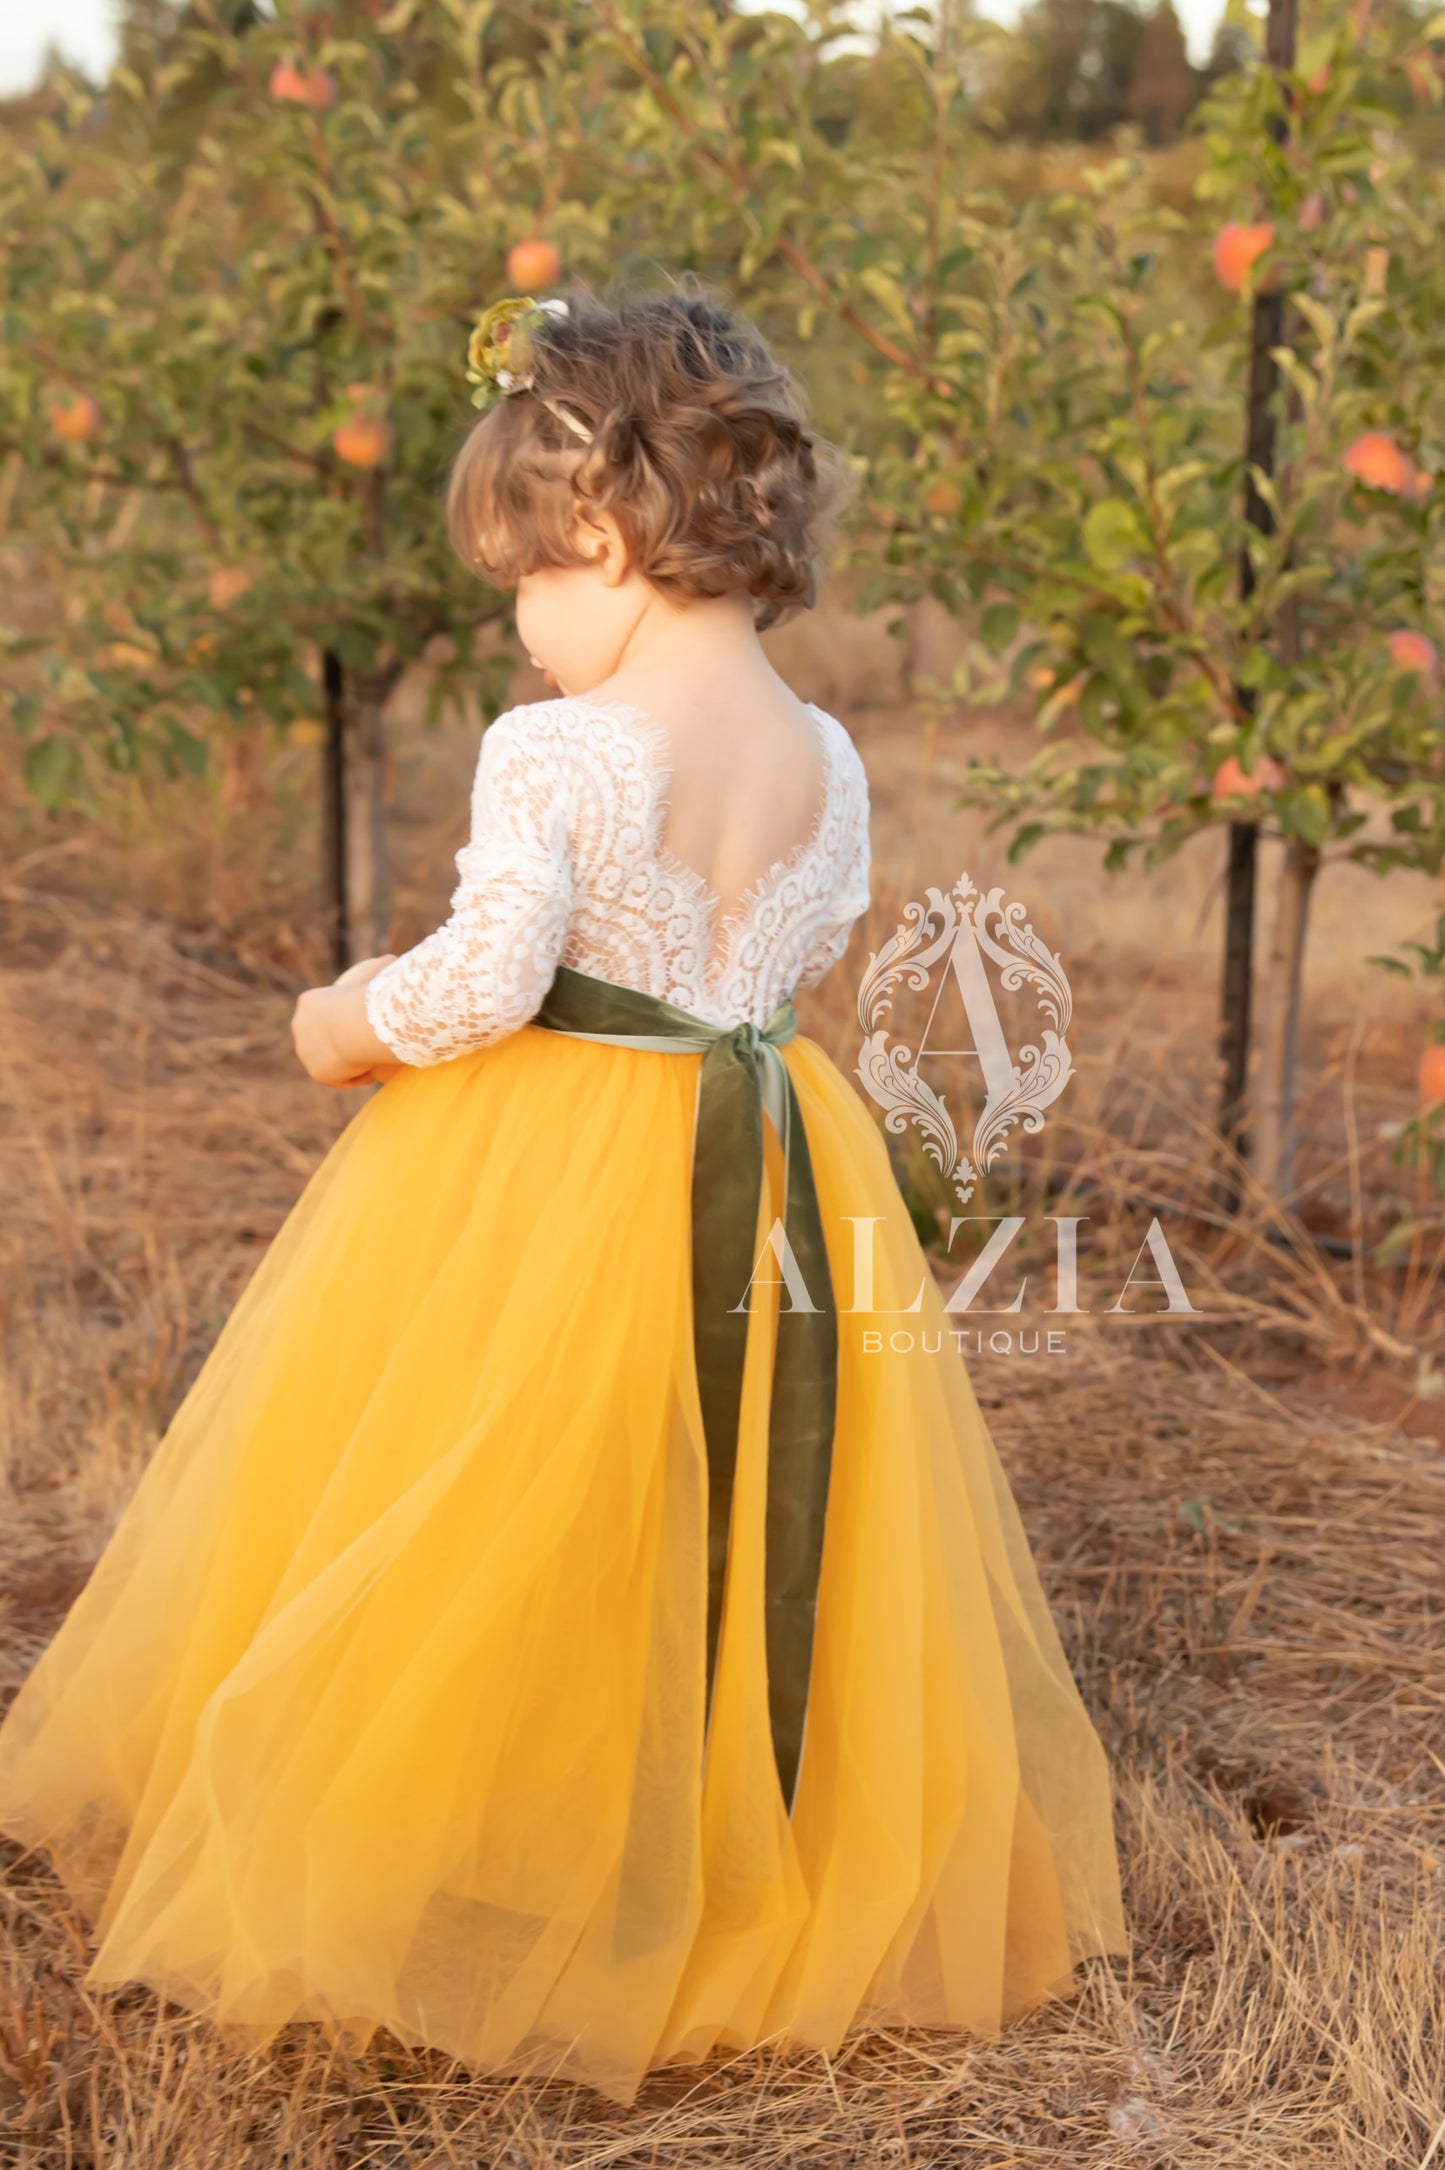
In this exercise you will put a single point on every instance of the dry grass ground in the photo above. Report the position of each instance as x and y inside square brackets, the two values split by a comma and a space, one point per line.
[1238, 1518]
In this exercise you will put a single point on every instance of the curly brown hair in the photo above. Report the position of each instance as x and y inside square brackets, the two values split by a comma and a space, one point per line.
[700, 451]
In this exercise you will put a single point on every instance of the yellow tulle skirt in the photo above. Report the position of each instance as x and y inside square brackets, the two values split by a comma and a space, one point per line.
[385, 1704]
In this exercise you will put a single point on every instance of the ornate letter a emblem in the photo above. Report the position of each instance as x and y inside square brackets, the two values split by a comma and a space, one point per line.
[961, 931]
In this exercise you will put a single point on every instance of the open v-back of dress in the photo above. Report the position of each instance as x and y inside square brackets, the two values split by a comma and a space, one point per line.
[566, 864]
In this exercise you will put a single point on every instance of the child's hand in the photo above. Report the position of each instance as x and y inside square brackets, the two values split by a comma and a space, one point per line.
[333, 1036]
[358, 974]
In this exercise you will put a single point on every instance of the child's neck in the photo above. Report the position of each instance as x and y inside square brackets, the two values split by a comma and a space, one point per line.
[674, 649]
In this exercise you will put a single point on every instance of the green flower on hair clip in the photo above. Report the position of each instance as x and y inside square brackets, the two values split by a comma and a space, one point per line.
[501, 355]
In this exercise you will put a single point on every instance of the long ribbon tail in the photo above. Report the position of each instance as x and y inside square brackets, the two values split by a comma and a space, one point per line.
[800, 1454]
[727, 1175]
[741, 1075]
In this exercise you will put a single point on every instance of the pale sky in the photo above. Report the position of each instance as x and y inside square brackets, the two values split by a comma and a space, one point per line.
[83, 29]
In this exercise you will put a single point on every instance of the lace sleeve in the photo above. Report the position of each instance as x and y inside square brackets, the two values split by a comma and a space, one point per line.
[851, 896]
[484, 972]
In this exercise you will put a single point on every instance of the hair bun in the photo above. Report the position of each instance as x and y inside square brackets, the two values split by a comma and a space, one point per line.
[700, 452]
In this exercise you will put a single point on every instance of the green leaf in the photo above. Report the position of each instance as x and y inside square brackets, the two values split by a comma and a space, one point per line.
[1176, 480]
[25, 712]
[190, 751]
[1307, 812]
[998, 627]
[1402, 1235]
[1113, 533]
[1304, 380]
[52, 768]
[1200, 1516]
[888, 292]
[1363, 313]
[1319, 319]
[1315, 53]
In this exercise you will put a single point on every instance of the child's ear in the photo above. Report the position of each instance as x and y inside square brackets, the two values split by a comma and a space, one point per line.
[603, 543]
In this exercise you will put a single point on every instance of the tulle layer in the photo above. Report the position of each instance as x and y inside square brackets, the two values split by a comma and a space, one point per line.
[385, 1703]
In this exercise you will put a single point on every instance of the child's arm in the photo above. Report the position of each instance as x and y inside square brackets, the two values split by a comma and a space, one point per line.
[333, 1035]
[485, 972]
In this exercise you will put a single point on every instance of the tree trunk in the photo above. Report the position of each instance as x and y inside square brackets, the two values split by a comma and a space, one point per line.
[358, 896]
[1279, 1035]
[368, 889]
[933, 644]
[1266, 333]
[333, 810]
[1236, 1004]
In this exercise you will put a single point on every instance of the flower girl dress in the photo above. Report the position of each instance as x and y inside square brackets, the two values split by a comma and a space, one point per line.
[518, 1641]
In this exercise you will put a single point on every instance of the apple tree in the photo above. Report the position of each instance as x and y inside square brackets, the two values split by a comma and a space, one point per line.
[1176, 468]
[237, 290]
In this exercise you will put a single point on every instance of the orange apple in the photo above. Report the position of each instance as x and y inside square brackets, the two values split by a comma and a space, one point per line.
[1042, 677]
[534, 263]
[228, 585]
[1237, 249]
[1376, 460]
[1431, 1074]
[288, 84]
[77, 420]
[1232, 781]
[941, 496]
[291, 85]
[361, 442]
[1410, 651]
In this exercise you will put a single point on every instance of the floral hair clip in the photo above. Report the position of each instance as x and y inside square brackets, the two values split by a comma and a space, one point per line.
[501, 357]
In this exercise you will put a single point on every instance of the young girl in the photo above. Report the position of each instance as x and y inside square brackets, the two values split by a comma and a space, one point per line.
[565, 1622]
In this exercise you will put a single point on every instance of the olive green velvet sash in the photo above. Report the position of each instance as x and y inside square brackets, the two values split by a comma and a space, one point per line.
[742, 1075]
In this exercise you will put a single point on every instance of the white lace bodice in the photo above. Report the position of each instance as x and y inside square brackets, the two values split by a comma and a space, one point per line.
[565, 865]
